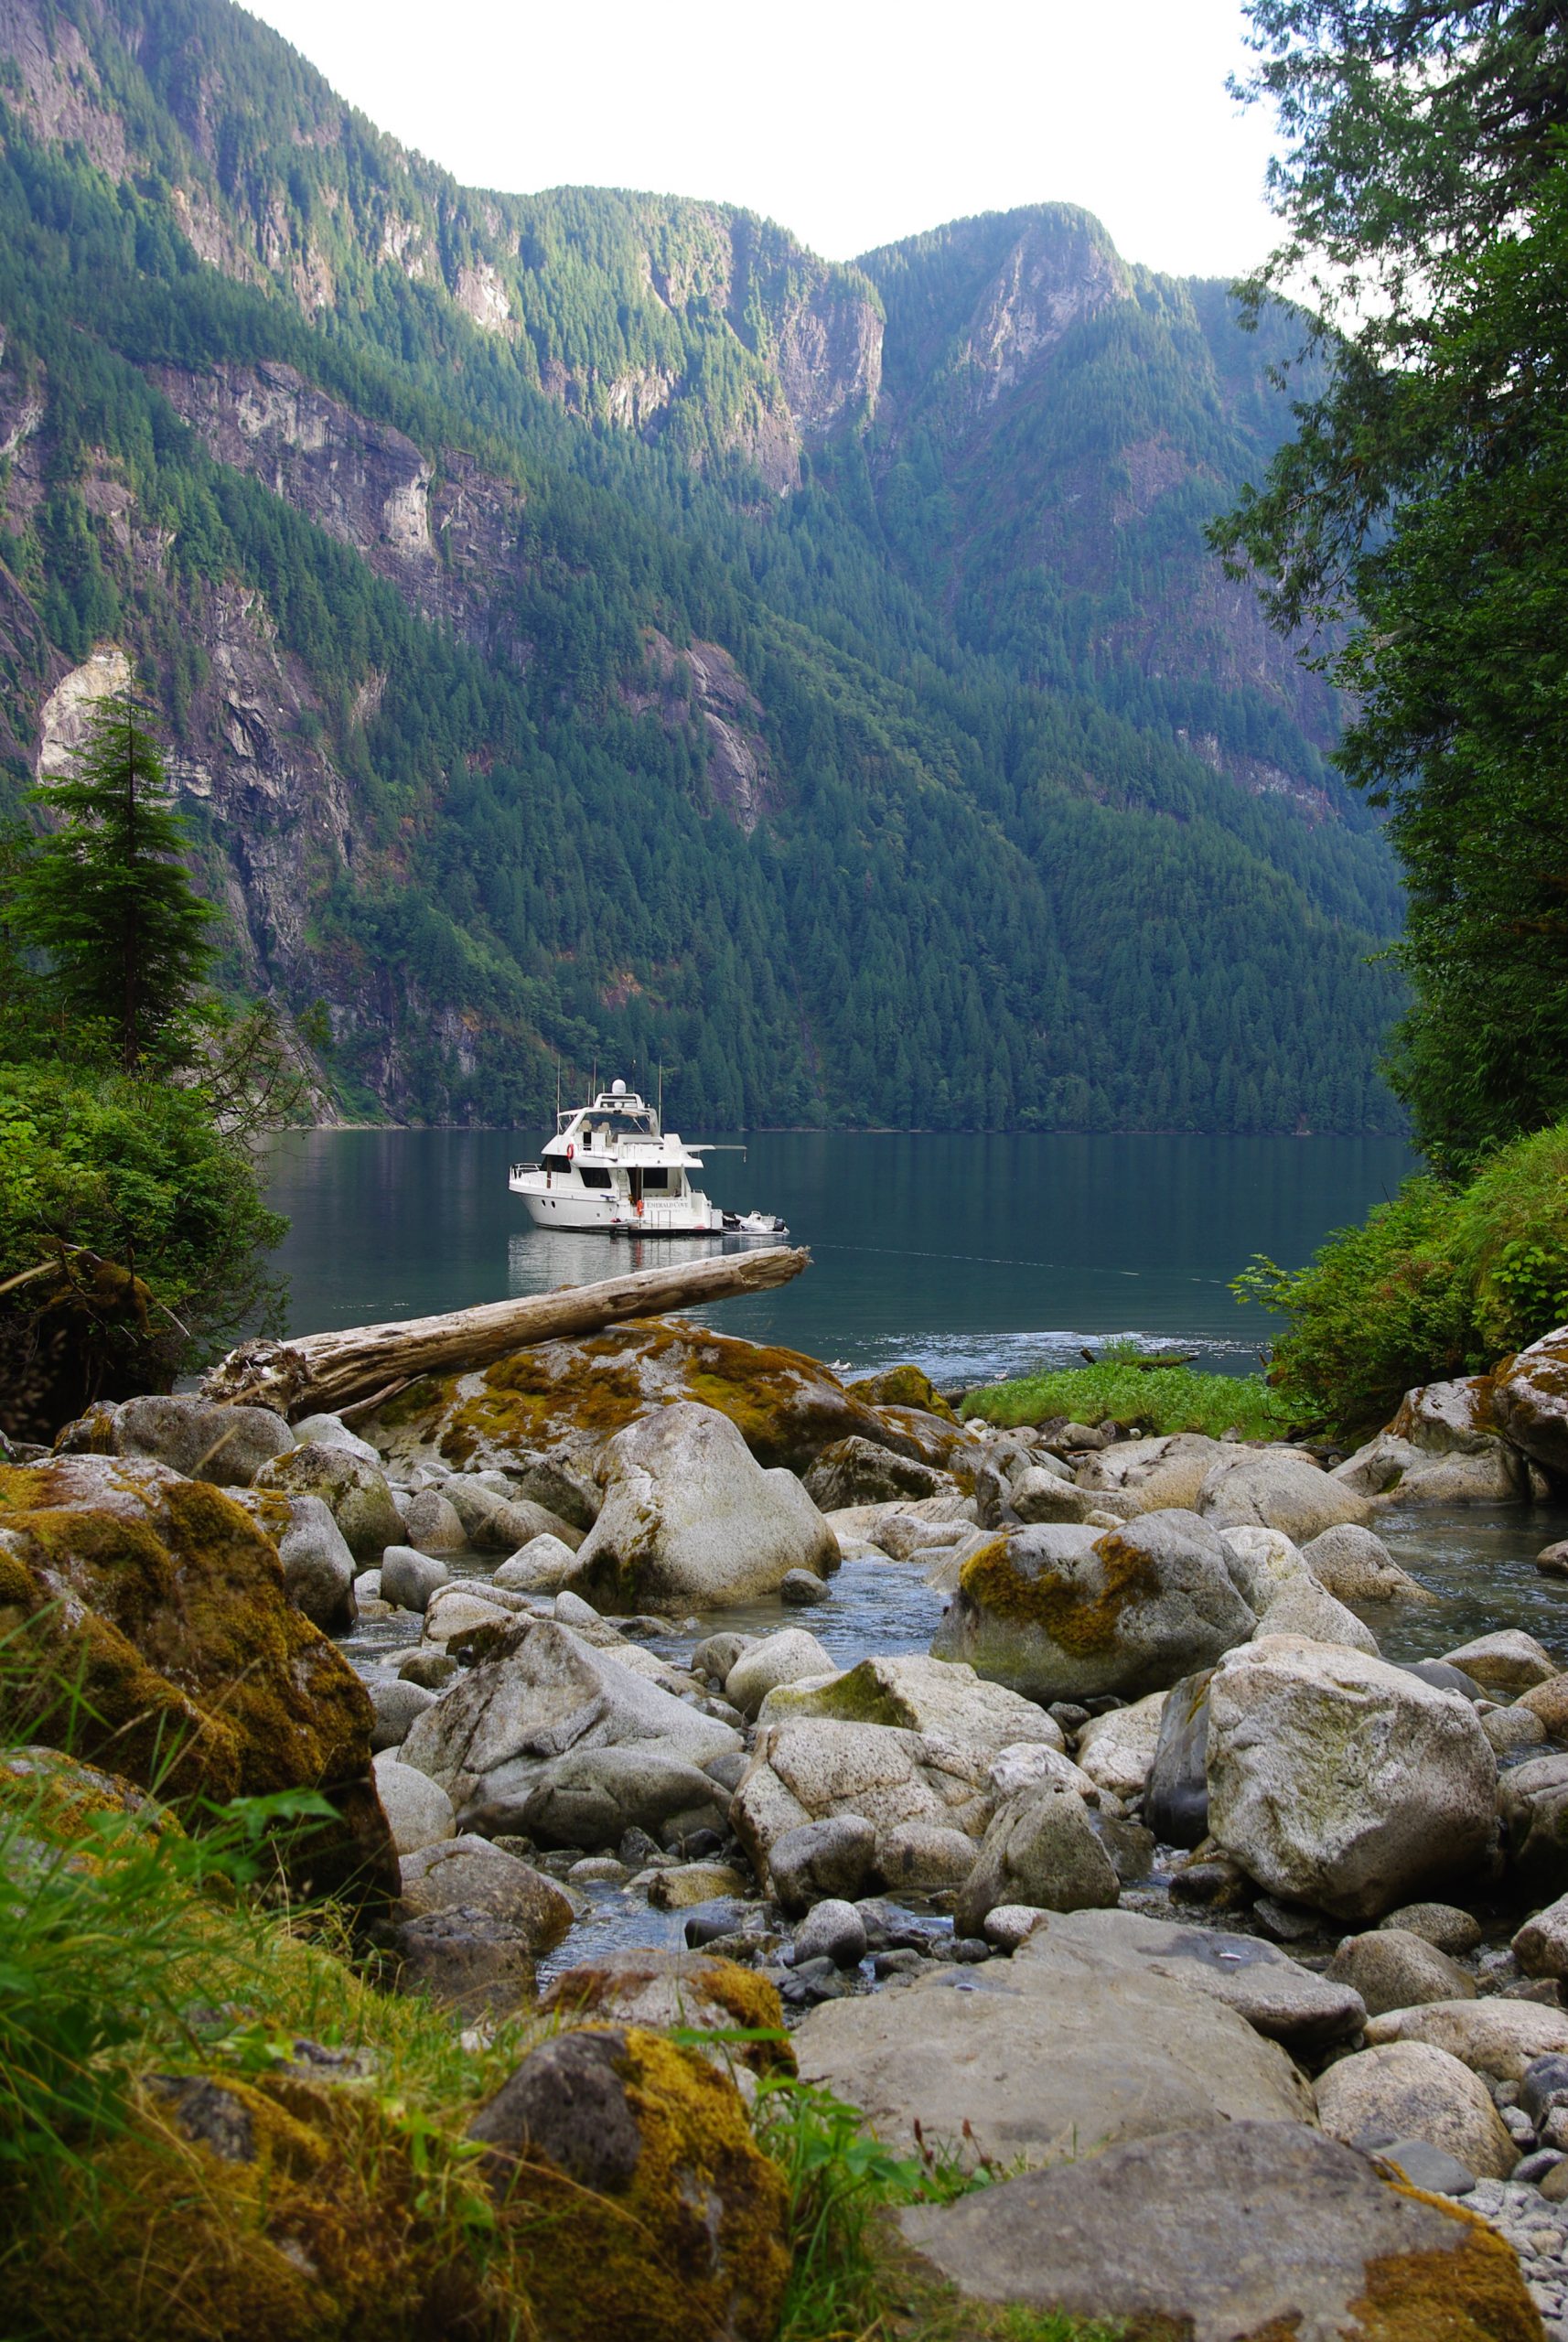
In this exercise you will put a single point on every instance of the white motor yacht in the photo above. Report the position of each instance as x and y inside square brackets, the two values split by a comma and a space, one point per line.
[611, 1167]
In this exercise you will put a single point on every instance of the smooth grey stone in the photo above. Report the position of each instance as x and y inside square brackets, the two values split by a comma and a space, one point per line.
[1442, 1677]
[1544, 2084]
[1531, 2170]
[397, 1704]
[1433, 2168]
[1175, 1799]
[833, 1930]
[409, 1578]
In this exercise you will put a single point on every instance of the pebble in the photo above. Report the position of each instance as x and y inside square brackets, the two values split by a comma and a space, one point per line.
[1535, 2230]
[799, 1586]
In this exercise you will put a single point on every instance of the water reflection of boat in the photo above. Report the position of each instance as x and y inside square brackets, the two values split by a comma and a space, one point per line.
[611, 1168]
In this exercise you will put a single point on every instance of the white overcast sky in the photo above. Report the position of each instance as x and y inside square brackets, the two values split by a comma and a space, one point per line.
[852, 123]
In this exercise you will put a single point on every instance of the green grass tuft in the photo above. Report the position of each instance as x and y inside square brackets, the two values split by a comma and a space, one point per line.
[1160, 1399]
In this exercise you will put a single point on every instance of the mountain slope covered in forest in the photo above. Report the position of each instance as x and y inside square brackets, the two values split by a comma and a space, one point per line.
[590, 624]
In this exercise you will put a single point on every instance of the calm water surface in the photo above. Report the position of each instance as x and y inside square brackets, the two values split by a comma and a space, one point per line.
[975, 1256]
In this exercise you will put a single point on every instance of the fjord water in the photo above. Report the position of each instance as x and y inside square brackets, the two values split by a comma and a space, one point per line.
[973, 1255]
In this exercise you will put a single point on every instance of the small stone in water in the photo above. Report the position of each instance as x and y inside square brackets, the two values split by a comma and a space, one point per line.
[799, 1586]
[513, 1842]
[1068, 1714]
[597, 1870]
[966, 1951]
[902, 1962]
[1552, 1560]
[432, 1669]
[638, 1850]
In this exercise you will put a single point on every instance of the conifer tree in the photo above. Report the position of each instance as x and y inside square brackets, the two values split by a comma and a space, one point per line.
[105, 895]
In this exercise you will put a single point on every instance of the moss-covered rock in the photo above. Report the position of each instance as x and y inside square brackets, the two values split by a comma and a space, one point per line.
[284, 2208]
[902, 1386]
[157, 1638]
[633, 2194]
[1065, 1613]
[574, 1395]
[693, 1990]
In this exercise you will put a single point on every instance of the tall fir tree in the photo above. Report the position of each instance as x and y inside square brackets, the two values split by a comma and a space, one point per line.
[105, 894]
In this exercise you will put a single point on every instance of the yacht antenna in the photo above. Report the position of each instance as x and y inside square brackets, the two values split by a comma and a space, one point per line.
[557, 1089]
[661, 1093]
[595, 1083]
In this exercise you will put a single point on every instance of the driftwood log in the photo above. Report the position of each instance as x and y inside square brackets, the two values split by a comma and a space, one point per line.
[363, 1365]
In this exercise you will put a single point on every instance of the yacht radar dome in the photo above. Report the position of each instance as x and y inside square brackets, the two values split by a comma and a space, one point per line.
[618, 1090]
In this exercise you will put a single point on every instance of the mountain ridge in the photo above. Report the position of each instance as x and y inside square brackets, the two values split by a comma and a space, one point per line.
[680, 653]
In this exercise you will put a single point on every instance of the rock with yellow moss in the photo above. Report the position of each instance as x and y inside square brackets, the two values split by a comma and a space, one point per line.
[695, 1991]
[160, 1637]
[554, 1404]
[1068, 1613]
[625, 2171]
[1261, 2231]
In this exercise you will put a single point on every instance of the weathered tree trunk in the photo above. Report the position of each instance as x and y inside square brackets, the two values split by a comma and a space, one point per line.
[320, 1373]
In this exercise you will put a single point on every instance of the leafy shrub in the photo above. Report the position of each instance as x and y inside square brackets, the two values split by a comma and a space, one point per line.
[130, 1223]
[1160, 1399]
[1510, 1240]
[1443, 1281]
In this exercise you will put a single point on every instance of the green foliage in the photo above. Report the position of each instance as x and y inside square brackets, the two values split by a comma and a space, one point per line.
[1425, 498]
[1161, 1399]
[1443, 1281]
[989, 846]
[99, 1926]
[102, 1170]
[105, 896]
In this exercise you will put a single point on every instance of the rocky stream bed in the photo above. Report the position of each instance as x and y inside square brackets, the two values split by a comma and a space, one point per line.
[1097, 1805]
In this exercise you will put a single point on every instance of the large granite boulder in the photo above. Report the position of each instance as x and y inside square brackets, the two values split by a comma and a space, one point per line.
[493, 1740]
[1389, 1469]
[226, 1446]
[1276, 1488]
[1266, 2229]
[810, 1769]
[1337, 1780]
[862, 1471]
[355, 1493]
[1355, 1565]
[1271, 1576]
[592, 1796]
[1504, 1664]
[1493, 2037]
[1278, 1996]
[1529, 1401]
[690, 1521]
[690, 1990]
[1053, 2058]
[1408, 2089]
[1161, 1475]
[541, 1414]
[920, 1694]
[1070, 1613]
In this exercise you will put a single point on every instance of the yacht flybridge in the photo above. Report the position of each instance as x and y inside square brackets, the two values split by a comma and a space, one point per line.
[611, 1167]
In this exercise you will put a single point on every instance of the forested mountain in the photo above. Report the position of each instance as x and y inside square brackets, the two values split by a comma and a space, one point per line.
[588, 623]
